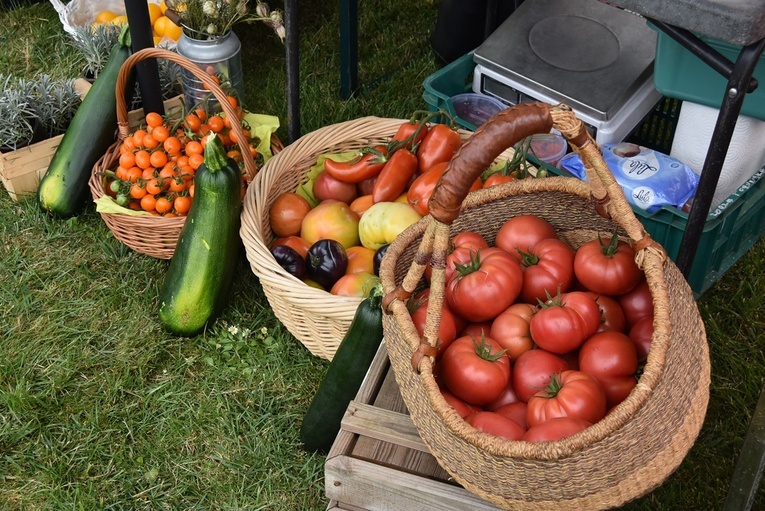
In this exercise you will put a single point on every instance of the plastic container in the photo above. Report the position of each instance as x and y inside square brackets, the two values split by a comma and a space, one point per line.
[730, 229]
[678, 73]
[548, 147]
[476, 108]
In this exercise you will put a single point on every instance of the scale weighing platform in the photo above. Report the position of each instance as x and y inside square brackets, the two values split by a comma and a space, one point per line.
[596, 59]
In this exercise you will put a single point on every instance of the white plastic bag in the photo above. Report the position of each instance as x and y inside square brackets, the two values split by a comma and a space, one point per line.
[81, 13]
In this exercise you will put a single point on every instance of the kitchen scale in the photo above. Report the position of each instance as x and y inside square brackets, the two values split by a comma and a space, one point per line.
[595, 58]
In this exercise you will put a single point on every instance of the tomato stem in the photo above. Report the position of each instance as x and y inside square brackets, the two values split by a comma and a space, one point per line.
[483, 349]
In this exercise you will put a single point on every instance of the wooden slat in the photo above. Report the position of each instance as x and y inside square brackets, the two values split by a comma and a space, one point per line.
[380, 424]
[373, 487]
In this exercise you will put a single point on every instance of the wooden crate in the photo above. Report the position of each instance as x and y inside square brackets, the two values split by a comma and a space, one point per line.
[378, 461]
[21, 170]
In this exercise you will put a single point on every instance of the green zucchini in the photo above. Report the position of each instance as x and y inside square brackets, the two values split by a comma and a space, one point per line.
[64, 190]
[344, 376]
[201, 271]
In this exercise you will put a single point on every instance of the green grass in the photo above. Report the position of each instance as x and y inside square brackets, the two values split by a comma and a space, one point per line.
[102, 409]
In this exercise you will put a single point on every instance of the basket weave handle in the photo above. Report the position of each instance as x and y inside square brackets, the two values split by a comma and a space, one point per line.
[502, 131]
[147, 53]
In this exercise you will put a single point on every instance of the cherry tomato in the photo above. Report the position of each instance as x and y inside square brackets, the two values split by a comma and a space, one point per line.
[568, 394]
[611, 358]
[607, 268]
[475, 370]
[533, 370]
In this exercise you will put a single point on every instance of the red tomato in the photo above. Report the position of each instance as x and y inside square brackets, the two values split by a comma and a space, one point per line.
[422, 187]
[496, 424]
[548, 268]
[611, 358]
[485, 286]
[469, 239]
[411, 132]
[357, 284]
[497, 179]
[477, 329]
[367, 165]
[508, 396]
[608, 269]
[555, 429]
[476, 371]
[522, 232]
[516, 411]
[326, 187]
[559, 328]
[637, 303]
[533, 370]
[511, 329]
[569, 394]
[438, 146]
[611, 314]
[395, 176]
[462, 408]
[641, 334]
[449, 327]
[586, 306]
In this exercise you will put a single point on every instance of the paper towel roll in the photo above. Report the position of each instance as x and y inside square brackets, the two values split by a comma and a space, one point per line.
[745, 156]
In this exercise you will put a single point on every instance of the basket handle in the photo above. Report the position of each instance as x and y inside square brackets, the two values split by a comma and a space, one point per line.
[502, 131]
[147, 53]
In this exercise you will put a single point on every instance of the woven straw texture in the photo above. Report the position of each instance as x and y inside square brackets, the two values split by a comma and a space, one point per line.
[316, 318]
[155, 236]
[636, 446]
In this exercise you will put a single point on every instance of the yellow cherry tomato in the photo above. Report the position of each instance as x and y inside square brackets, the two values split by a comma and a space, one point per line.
[119, 20]
[105, 16]
[154, 13]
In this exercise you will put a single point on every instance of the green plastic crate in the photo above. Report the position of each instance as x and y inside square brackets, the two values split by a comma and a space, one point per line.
[730, 229]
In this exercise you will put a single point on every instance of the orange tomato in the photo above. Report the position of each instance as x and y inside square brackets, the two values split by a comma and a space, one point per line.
[163, 205]
[360, 259]
[286, 214]
[361, 204]
[354, 284]
[154, 119]
[182, 204]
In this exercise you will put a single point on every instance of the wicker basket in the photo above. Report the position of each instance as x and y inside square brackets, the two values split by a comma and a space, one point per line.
[316, 318]
[155, 236]
[643, 439]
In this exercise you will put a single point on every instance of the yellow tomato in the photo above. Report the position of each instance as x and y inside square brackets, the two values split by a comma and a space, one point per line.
[120, 20]
[172, 30]
[162, 6]
[105, 16]
[154, 13]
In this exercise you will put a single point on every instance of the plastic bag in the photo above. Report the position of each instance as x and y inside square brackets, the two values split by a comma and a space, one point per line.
[650, 179]
[81, 13]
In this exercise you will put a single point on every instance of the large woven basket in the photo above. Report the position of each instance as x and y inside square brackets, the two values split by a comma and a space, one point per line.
[643, 439]
[155, 236]
[316, 318]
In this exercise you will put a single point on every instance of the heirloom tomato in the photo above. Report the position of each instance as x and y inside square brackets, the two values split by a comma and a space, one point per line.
[555, 429]
[508, 396]
[516, 411]
[326, 187]
[607, 268]
[573, 394]
[548, 268]
[357, 284]
[482, 288]
[449, 327]
[333, 220]
[641, 334]
[533, 370]
[637, 303]
[360, 259]
[295, 242]
[475, 370]
[462, 408]
[496, 424]
[611, 314]
[380, 224]
[563, 324]
[477, 329]
[511, 329]
[611, 358]
[286, 214]
[585, 304]
[522, 232]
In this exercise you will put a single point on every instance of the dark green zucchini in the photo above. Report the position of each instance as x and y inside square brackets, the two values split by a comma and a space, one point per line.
[344, 376]
[64, 189]
[198, 281]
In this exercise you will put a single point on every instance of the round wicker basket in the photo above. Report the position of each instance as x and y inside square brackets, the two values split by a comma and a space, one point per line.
[155, 236]
[644, 438]
[316, 318]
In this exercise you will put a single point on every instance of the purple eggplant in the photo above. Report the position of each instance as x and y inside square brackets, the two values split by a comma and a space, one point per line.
[289, 259]
[326, 262]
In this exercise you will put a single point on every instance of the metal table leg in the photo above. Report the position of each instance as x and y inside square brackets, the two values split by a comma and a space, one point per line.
[349, 48]
[291, 44]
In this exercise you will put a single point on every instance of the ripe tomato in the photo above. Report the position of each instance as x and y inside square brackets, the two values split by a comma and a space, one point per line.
[462, 408]
[522, 232]
[587, 308]
[286, 214]
[411, 132]
[476, 371]
[611, 358]
[327, 187]
[569, 394]
[438, 146]
[469, 239]
[560, 328]
[297, 243]
[484, 287]
[422, 187]
[357, 284]
[395, 176]
[637, 303]
[555, 429]
[496, 424]
[449, 327]
[477, 329]
[607, 268]
[516, 411]
[511, 329]
[548, 268]
[508, 396]
[333, 220]
[533, 370]
[611, 314]
[641, 334]
[360, 259]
